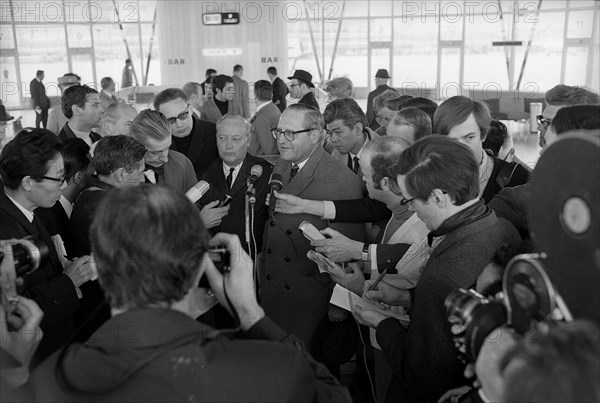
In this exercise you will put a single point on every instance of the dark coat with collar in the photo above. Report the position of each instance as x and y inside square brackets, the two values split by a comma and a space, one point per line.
[67, 133]
[280, 91]
[38, 95]
[234, 222]
[370, 110]
[310, 100]
[504, 174]
[55, 219]
[203, 146]
[423, 356]
[179, 172]
[210, 111]
[293, 292]
[263, 122]
[53, 291]
[263, 364]
[241, 99]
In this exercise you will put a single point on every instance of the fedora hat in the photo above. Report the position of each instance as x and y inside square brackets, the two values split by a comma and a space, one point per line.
[382, 73]
[304, 76]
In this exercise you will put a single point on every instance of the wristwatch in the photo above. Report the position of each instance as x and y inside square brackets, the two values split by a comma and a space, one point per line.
[364, 255]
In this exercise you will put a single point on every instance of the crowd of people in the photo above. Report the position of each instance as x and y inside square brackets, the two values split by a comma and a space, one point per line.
[149, 295]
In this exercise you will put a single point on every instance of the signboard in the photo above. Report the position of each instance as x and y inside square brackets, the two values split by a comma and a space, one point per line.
[220, 18]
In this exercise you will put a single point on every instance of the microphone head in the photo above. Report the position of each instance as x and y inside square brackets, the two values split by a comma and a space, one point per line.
[256, 170]
[276, 181]
[202, 186]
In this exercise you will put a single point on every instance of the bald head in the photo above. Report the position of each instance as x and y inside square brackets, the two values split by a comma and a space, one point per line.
[117, 119]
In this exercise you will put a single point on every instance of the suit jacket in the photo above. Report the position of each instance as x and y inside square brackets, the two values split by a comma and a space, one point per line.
[423, 356]
[370, 111]
[179, 172]
[107, 99]
[518, 176]
[203, 148]
[268, 365]
[263, 122]
[234, 221]
[38, 95]
[309, 99]
[55, 219]
[48, 286]
[67, 133]
[347, 160]
[241, 100]
[210, 111]
[293, 291]
[280, 91]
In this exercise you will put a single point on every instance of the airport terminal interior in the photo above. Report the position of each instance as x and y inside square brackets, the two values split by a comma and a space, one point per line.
[376, 309]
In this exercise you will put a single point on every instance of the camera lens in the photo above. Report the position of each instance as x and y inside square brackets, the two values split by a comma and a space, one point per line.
[28, 255]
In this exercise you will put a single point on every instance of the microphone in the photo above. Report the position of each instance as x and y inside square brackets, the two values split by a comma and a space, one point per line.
[275, 184]
[255, 173]
[197, 191]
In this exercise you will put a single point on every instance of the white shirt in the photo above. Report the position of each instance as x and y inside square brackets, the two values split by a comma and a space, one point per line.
[27, 213]
[67, 205]
[236, 171]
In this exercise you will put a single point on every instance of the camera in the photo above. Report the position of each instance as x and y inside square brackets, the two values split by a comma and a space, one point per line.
[18, 257]
[527, 299]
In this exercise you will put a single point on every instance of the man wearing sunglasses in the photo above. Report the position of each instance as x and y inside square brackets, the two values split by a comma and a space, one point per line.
[559, 97]
[193, 137]
[33, 175]
[293, 291]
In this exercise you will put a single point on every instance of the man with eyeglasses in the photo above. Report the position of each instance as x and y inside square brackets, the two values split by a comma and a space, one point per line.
[163, 165]
[559, 97]
[32, 172]
[192, 137]
[293, 291]
[464, 235]
[301, 86]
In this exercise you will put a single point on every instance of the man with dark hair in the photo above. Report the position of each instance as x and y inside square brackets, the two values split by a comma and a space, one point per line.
[56, 117]
[280, 90]
[294, 293]
[264, 121]
[150, 256]
[192, 136]
[39, 101]
[410, 124]
[426, 105]
[81, 105]
[164, 165]
[559, 97]
[207, 85]
[241, 100]
[464, 236]
[107, 95]
[301, 87]
[193, 92]
[228, 175]
[56, 218]
[381, 80]
[32, 171]
[118, 162]
[127, 75]
[222, 102]
[468, 121]
[575, 117]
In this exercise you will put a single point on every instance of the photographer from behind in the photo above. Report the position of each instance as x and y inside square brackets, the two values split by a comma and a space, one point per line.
[150, 247]
[33, 175]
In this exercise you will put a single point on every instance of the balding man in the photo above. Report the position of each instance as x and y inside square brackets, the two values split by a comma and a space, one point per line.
[228, 175]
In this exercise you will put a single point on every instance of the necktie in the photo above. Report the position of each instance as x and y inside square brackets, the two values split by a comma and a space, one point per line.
[158, 173]
[230, 177]
[295, 169]
[350, 165]
[356, 166]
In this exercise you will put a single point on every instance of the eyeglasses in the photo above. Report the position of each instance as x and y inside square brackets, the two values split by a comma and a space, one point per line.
[542, 121]
[182, 116]
[288, 134]
[60, 180]
[404, 201]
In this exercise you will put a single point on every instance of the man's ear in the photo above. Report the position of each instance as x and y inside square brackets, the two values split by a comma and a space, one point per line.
[358, 128]
[440, 198]
[119, 175]
[26, 183]
[316, 136]
[106, 129]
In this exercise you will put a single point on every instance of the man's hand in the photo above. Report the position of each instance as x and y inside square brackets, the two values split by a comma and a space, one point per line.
[338, 248]
[211, 215]
[385, 294]
[290, 204]
[487, 365]
[22, 343]
[352, 281]
[80, 270]
[38, 110]
[368, 317]
[238, 283]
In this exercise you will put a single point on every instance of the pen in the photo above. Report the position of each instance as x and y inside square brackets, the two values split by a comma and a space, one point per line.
[383, 273]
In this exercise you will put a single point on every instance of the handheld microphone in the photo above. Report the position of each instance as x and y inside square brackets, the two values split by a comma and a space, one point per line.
[255, 173]
[275, 184]
[197, 191]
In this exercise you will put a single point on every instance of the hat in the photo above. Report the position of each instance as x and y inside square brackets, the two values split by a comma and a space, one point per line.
[303, 76]
[382, 73]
